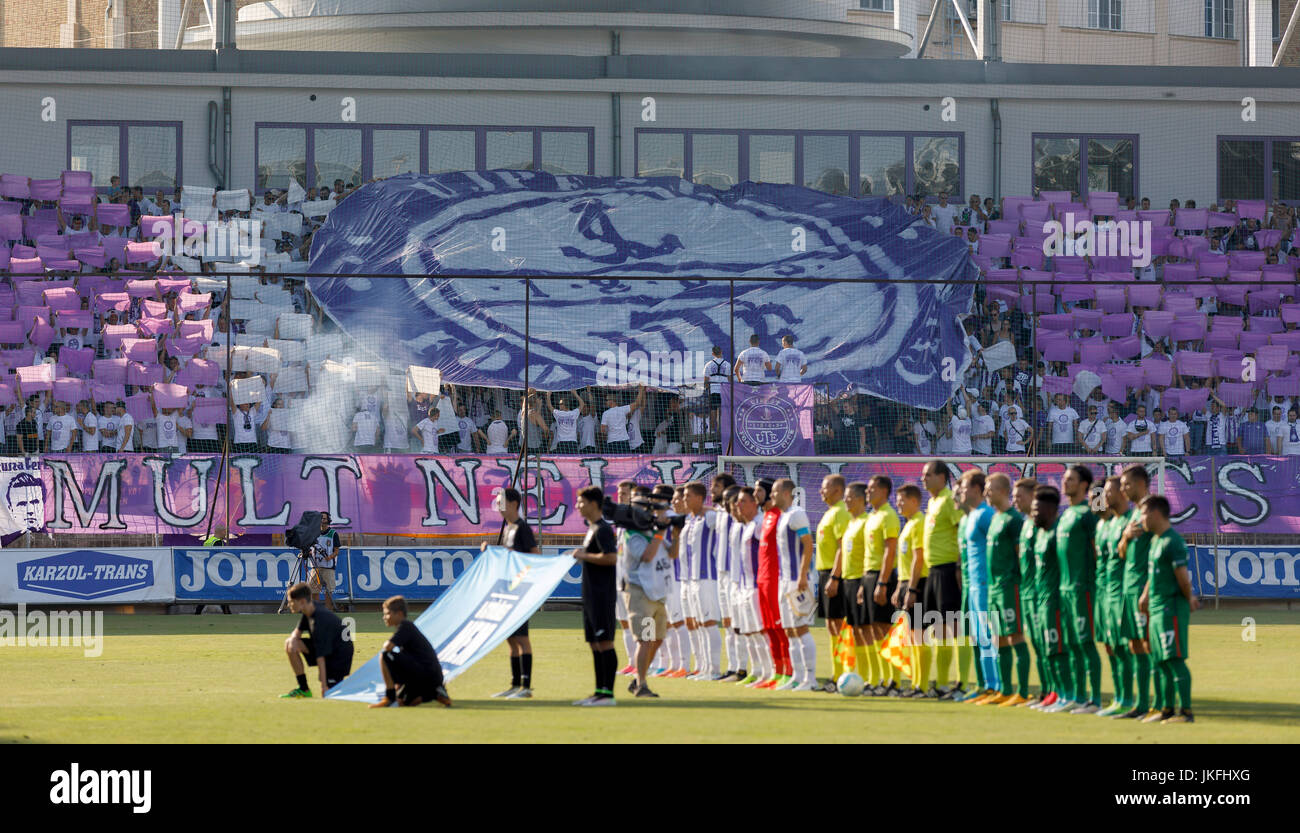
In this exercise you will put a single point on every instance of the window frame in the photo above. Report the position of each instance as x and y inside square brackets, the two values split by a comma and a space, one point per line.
[855, 160]
[1083, 139]
[1269, 197]
[367, 142]
[123, 146]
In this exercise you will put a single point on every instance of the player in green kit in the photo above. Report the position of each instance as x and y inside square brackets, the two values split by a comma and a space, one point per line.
[1047, 567]
[1076, 541]
[1005, 617]
[1133, 545]
[1110, 595]
[1025, 489]
[1169, 601]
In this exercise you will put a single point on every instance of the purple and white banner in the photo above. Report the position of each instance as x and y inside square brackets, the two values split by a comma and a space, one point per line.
[774, 420]
[433, 495]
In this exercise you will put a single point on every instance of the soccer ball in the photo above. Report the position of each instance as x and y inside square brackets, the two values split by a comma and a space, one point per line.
[849, 684]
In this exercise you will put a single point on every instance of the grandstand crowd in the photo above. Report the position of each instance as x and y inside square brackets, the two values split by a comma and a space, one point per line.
[109, 346]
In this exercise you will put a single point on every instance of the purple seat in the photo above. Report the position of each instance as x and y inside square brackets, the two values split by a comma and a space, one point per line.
[1054, 196]
[1247, 260]
[1222, 339]
[1248, 209]
[995, 245]
[1156, 323]
[1128, 347]
[1145, 295]
[1265, 324]
[1030, 258]
[1264, 299]
[1104, 203]
[1187, 328]
[1011, 228]
[1111, 299]
[1117, 325]
[1252, 341]
[1191, 219]
[1179, 303]
[1268, 238]
[1272, 357]
[1227, 363]
[1034, 212]
[113, 214]
[1212, 266]
[1057, 321]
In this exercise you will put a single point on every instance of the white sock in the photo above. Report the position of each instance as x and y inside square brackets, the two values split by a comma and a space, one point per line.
[755, 661]
[629, 645]
[674, 644]
[764, 656]
[713, 639]
[798, 666]
[734, 663]
[696, 651]
[809, 656]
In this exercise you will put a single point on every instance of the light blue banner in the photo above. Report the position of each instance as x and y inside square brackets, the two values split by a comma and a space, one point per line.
[488, 602]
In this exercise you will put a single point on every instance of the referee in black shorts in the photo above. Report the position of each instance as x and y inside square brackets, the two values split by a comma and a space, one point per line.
[599, 555]
[909, 594]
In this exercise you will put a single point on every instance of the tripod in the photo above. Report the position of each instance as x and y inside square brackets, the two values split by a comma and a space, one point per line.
[296, 575]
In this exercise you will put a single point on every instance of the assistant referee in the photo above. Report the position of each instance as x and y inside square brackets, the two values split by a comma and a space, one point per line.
[599, 557]
[829, 531]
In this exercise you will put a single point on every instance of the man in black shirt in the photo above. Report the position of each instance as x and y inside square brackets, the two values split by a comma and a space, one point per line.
[850, 436]
[516, 535]
[27, 433]
[412, 673]
[598, 554]
[318, 640]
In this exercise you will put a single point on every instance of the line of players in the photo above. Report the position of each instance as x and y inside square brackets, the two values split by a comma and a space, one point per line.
[1115, 572]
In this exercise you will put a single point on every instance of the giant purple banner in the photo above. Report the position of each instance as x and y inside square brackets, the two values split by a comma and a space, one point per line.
[412, 494]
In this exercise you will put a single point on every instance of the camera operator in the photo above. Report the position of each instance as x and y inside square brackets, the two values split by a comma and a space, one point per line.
[644, 587]
[516, 535]
[324, 555]
[318, 640]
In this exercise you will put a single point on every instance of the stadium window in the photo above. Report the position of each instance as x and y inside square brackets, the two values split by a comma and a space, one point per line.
[936, 165]
[1286, 170]
[771, 158]
[1081, 164]
[878, 5]
[142, 153]
[509, 150]
[394, 152]
[1277, 21]
[451, 150]
[1104, 14]
[337, 155]
[1006, 10]
[715, 159]
[1219, 18]
[660, 153]
[1241, 169]
[826, 164]
[882, 165]
[566, 152]
[281, 156]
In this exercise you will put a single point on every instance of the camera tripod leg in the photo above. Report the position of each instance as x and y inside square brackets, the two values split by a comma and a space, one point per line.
[294, 577]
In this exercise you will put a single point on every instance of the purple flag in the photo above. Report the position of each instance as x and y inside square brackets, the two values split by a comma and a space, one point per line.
[768, 420]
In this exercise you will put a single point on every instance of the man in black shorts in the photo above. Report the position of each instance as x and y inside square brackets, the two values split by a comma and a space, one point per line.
[717, 371]
[412, 673]
[318, 641]
[599, 555]
[516, 535]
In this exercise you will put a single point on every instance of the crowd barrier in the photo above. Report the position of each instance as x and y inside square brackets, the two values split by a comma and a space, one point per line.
[261, 574]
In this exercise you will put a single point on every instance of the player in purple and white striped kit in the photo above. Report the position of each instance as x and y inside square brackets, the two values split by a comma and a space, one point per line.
[699, 536]
[797, 600]
[745, 608]
[722, 554]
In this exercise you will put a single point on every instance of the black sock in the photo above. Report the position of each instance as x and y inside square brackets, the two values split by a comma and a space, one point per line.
[611, 670]
[598, 660]
[302, 681]
[514, 671]
[526, 670]
[390, 694]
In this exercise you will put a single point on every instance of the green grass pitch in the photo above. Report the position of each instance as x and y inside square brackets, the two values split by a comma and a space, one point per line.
[215, 679]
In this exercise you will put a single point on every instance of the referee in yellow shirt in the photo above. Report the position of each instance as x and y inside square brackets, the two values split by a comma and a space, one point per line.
[943, 586]
[910, 592]
[846, 575]
[881, 533]
[829, 531]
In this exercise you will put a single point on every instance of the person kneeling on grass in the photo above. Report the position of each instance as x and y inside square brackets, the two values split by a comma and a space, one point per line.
[318, 640]
[412, 673]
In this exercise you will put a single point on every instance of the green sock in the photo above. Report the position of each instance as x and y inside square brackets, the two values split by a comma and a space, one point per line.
[1044, 672]
[943, 663]
[1161, 701]
[1125, 685]
[1022, 667]
[1062, 676]
[964, 657]
[1005, 655]
[1181, 679]
[1143, 662]
[1078, 673]
[1112, 661]
[1092, 657]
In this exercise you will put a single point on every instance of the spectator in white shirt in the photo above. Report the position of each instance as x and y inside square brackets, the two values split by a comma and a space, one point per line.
[1173, 435]
[1116, 428]
[613, 423]
[1018, 433]
[1140, 433]
[465, 428]
[125, 429]
[1277, 430]
[88, 425]
[791, 364]
[427, 431]
[365, 427]
[923, 430]
[1291, 439]
[243, 428]
[1218, 433]
[959, 430]
[1091, 433]
[566, 422]
[944, 214]
[62, 428]
[983, 431]
[1062, 418]
[753, 363]
[498, 435]
[174, 429]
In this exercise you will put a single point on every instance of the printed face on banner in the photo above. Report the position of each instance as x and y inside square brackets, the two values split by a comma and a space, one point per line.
[25, 500]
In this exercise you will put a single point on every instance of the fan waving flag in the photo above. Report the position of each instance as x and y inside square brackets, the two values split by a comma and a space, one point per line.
[489, 601]
[623, 268]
